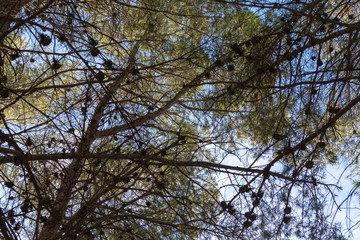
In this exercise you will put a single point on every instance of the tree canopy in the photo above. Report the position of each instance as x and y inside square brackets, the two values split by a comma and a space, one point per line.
[176, 119]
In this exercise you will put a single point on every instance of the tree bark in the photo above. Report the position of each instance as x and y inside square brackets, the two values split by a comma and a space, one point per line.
[8, 10]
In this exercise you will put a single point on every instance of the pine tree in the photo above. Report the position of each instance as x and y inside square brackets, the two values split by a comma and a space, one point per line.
[119, 118]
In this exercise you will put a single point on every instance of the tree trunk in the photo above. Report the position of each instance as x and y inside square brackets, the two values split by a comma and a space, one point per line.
[8, 10]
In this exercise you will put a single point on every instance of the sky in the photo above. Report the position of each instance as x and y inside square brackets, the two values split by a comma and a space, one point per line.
[348, 211]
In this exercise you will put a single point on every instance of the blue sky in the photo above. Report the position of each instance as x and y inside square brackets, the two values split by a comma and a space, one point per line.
[347, 213]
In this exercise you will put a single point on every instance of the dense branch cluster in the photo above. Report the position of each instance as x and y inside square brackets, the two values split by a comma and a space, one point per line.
[175, 119]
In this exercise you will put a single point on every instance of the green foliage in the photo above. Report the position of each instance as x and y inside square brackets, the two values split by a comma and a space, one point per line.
[175, 119]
